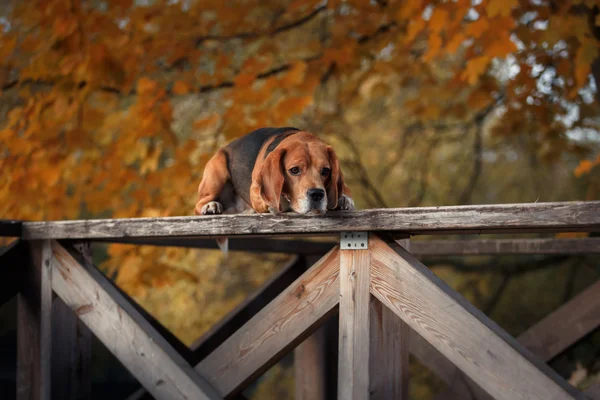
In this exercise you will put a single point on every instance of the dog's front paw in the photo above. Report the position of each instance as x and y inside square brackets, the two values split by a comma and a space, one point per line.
[212, 207]
[345, 203]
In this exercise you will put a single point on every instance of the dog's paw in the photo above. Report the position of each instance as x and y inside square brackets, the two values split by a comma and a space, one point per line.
[211, 208]
[345, 203]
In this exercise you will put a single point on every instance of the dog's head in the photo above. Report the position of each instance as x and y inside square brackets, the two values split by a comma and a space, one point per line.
[305, 171]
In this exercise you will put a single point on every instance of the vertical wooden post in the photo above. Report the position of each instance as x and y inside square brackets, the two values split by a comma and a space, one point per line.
[34, 324]
[353, 368]
[388, 361]
[309, 361]
[71, 348]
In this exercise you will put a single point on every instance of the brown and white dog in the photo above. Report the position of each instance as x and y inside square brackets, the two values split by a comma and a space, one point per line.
[273, 170]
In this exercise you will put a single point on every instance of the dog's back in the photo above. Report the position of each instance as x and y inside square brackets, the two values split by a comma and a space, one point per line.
[242, 154]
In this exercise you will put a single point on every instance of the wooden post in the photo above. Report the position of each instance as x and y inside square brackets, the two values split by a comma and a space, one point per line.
[71, 348]
[309, 361]
[33, 325]
[353, 365]
[390, 351]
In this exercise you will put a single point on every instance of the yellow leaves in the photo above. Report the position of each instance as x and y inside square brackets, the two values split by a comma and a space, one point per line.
[209, 122]
[244, 80]
[295, 75]
[586, 54]
[501, 7]
[415, 27]
[439, 20]
[501, 46]
[475, 68]
[478, 28]
[434, 45]
[586, 166]
[146, 86]
[64, 26]
[455, 43]
[181, 87]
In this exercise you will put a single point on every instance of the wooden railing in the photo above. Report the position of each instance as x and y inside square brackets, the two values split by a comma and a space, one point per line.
[389, 305]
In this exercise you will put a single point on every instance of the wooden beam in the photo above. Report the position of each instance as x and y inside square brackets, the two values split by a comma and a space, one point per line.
[34, 311]
[480, 348]
[71, 348]
[13, 261]
[310, 368]
[548, 338]
[505, 247]
[502, 218]
[388, 363]
[353, 357]
[565, 326]
[593, 392]
[296, 313]
[250, 245]
[124, 331]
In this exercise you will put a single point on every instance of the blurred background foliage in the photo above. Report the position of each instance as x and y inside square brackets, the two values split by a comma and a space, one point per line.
[110, 108]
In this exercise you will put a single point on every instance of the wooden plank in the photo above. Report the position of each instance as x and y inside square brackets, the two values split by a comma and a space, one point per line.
[505, 247]
[546, 339]
[353, 357]
[71, 349]
[250, 245]
[565, 326]
[388, 363]
[502, 218]
[309, 368]
[309, 361]
[124, 331]
[480, 348]
[593, 392]
[13, 261]
[296, 313]
[34, 312]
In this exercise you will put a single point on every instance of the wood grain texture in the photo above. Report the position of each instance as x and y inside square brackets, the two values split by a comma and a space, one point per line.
[548, 338]
[291, 317]
[124, 331]
[309, 368]
[388, 362]
[505, 247]
[463, 334]
[71, 349]
[565, 326]
[353, 356]
[34, 313]
[504, 218]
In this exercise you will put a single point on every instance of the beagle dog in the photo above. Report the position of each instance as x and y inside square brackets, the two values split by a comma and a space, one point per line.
[273, 170]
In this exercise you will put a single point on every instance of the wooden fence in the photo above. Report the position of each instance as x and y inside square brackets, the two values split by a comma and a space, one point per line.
[389, 306]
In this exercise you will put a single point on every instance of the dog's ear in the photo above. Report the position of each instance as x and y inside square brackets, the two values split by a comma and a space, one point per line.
[335, 185]
[272, 179]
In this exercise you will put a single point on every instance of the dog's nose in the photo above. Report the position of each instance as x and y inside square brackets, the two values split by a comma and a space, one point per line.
[316, 195]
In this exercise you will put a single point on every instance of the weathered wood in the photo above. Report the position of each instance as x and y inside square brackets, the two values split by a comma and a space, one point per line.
[388, 363]
[503, 218]
[71, 349]
[309, 361]
[505, 247]
[34, 312]
[309, 368]
[546, 339]
[296, 313]
[353, 357]
[565, 326]
[480, 348]
[248, 244]
[13, 260]
[124, 331]
[593, 392]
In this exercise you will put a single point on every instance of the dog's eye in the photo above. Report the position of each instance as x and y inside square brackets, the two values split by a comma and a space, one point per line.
[325, 171]
[294, 170]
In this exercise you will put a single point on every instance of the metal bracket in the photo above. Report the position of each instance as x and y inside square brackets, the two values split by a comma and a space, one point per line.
[354, 241]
